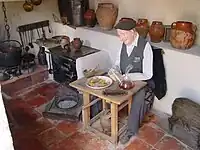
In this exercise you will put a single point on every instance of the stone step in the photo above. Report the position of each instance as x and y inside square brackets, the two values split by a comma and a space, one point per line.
[16, 84]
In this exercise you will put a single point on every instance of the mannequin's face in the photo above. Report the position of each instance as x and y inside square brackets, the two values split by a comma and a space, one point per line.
[127, 36]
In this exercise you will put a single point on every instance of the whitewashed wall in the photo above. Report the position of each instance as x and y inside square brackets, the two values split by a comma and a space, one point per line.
[17, 16]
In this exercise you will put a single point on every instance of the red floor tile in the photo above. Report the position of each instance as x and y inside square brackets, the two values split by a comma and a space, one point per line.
[69, 127]
[22, 112]
[82, 139]
[138, 144]
[16, 103]
[39, 126]
[96, 144]
[169, 143]
[28, 144]
[36, 132]
[48, 91]
[150, 134]
[37, 101]
[50, 137]
[29, 95]
[66, 144]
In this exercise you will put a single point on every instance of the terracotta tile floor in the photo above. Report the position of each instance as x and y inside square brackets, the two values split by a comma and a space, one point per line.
[34, 132]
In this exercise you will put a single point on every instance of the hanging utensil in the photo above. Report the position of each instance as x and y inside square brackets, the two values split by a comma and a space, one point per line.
[31, 36]
[21, 39]
[28, 6]
[43, 34]
[50, 64]
[38, 33]
[26, 36]
[49, 29]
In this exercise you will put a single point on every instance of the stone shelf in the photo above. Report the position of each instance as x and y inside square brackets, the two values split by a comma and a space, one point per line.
[195, 50]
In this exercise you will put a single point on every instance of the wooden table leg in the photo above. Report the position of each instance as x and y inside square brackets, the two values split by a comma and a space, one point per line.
[86, 111]
[104, 104]
[114, 122]
[129, 104]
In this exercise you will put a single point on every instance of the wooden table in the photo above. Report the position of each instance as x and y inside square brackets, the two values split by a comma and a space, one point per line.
[116, 102]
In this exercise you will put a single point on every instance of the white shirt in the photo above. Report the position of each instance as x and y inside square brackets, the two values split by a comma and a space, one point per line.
[147, 61]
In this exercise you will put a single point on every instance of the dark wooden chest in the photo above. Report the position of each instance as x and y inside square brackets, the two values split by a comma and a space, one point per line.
[185, 122]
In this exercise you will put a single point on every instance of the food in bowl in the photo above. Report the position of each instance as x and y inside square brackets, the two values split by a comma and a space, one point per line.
[97, 82]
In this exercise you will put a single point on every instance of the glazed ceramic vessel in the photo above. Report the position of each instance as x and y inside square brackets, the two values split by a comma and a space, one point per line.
[142, 27]
[182, 34]
[77, 44]
[90, 18]
[156, 31]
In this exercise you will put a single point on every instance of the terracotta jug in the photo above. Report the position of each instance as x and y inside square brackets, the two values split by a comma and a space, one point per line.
[142, 27]
[182, 34]
[77, 43]
[156, 31]
[106, 14]
[90, 18]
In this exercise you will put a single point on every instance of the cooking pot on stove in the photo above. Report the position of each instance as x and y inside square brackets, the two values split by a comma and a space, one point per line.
[10, 53]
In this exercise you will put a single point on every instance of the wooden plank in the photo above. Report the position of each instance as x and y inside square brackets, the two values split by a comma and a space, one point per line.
[104, 104]
[96, 117]
[86, 112]
[122, 129]
[122, 105]
[129, 104]
[92, 103]
[119, 108]
[114, 122]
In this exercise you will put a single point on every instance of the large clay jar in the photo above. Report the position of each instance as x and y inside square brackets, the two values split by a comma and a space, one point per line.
[156, 31]
[90, 18]
[106, 14]
[182, 34]
[142, 27]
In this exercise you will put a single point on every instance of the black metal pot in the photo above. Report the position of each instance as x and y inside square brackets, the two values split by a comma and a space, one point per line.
[10, 53]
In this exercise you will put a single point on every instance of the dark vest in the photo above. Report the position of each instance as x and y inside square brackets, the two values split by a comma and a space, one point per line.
[135, 58]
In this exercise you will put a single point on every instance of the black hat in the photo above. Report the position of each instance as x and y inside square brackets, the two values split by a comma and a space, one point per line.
[126, 24]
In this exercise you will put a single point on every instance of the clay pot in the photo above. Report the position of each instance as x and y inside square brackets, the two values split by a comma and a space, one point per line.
[106, 14]
[182, 34]
[156, 31]
[28, 6]
[77, 43]
[90, 18]
[36, 2]
[65, 42]
[142, 27]
[105, 122]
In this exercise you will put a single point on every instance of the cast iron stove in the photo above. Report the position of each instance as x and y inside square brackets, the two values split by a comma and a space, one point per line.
[67, 103]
